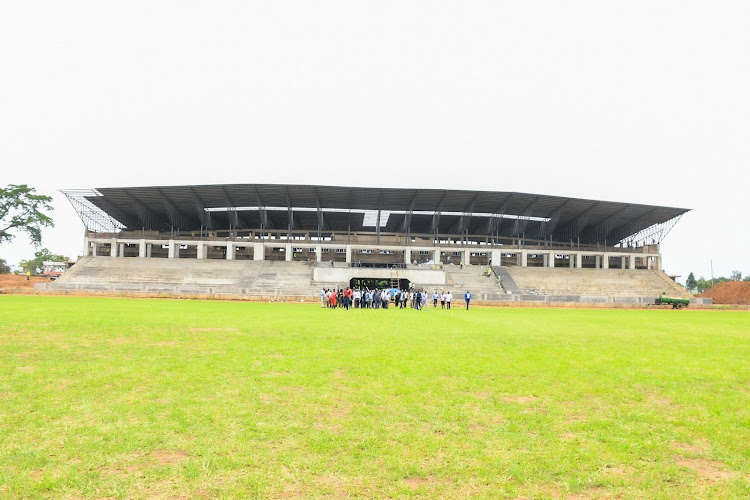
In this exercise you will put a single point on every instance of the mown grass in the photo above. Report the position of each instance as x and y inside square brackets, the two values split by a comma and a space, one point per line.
[104, 397]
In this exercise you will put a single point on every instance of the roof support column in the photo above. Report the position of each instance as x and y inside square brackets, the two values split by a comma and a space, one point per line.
[113, 248]
[142, 248]
[259, 251]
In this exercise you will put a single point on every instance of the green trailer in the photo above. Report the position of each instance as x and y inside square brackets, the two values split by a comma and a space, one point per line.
[676, 302]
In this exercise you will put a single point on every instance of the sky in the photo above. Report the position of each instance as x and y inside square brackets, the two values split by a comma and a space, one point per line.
[639, 101]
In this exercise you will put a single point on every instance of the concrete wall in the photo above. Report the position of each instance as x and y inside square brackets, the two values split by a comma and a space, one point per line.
[343, 275]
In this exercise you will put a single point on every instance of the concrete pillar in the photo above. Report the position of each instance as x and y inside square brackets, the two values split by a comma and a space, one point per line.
[658, 262]
[524, 258]
[571, 258]
[259, 251]
[497, 257]
[201, 253]
[598, 259]
[318, 253]
[605, 261]
[121, 249]
[288, 252]
[631, 261]
[149, 246]
[545, 260]
[407, 255]
[622, 262]
[436, 256]
[579, 260]
[91, 248]
[467, 257]
[551, 259]
[171, 251]
[230, 251]
[113, 248]
[348, 254]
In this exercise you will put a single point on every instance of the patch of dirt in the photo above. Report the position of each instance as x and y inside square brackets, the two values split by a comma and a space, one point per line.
[484, 396]
[688, 448]
[613, 471]
[415, 483]
[169, 457]
[659, 401]
[574, 419]
[729, 292]
[590, 493]
[165, 344]
[13, 281]
[522, 400]
[710, 470]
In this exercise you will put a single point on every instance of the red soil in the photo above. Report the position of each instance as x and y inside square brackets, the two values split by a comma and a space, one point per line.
[13, 281]
[729, 292]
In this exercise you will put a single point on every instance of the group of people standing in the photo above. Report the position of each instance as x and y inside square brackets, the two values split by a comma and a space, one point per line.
[382, 299]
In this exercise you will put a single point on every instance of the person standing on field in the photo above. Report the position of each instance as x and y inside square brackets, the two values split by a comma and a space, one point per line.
[467, 298]
[449, 299]
[322, 298]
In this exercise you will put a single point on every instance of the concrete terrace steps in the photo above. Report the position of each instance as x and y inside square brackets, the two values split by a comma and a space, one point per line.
[189, 276]
[506, 279]
[595, 282]
[473, 279]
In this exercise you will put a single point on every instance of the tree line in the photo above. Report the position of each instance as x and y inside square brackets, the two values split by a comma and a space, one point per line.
[702, 284]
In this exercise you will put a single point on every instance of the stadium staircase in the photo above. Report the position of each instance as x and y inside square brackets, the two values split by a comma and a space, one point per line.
[506, 280]
[474, 279]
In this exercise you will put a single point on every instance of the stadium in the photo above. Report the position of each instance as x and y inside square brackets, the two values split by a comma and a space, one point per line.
[287, 242]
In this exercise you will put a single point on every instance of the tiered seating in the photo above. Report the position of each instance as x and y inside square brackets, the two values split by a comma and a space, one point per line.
[594, 282]
[189, 276]
[474, 279]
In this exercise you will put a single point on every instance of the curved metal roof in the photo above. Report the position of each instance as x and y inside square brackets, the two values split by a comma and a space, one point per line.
[338, 208]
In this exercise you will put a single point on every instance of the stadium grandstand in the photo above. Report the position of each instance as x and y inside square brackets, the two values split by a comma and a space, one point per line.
[288, 241]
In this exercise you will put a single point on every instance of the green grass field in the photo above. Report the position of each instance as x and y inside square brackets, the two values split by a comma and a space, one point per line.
[125, 398]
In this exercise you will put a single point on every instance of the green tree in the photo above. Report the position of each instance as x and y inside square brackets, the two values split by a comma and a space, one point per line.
[35, 265]
[736, 276]
[691, 283]
[4, 267]
[21, 209]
